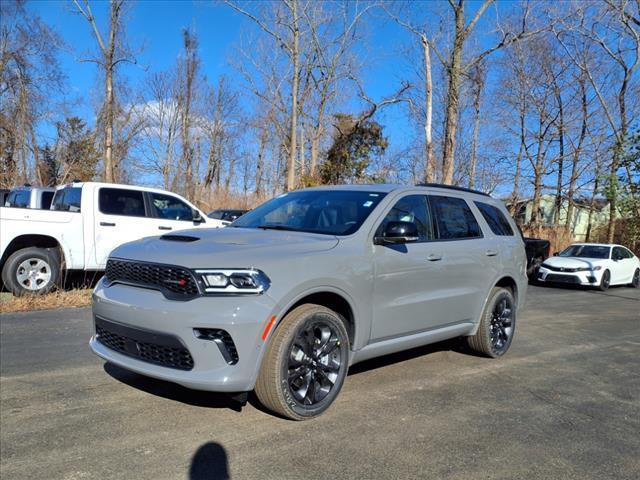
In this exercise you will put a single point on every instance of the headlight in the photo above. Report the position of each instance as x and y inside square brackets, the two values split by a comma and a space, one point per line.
[595, 269]
[240, 281]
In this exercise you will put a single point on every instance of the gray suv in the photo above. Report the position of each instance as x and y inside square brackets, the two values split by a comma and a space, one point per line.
[291, 294]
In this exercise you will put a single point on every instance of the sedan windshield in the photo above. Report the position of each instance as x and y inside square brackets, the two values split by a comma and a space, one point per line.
[586, 251]
[329, 212]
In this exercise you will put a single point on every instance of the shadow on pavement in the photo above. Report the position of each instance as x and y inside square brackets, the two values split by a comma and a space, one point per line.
[454, 345]
[172, 391]
[209, 463]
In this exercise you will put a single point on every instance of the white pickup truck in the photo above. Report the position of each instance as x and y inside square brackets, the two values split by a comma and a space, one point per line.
[86, 221]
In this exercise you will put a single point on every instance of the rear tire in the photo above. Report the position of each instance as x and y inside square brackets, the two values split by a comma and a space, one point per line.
[32, 270]
[305, 364]
[635, 281]
[605, 281]
[497, 325]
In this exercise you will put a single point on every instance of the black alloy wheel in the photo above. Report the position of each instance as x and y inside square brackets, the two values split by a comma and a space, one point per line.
[501, 328]
[314, 362]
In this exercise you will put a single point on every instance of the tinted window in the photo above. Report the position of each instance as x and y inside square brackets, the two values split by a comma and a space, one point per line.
[620, 253]
[67, 199]
[216, 214]
[586, 251]
[412, 208]
[329, 212]
[454, 218]
[119, 201]
[19, 199]
[47, 197]
[497, 222]
[171, 208]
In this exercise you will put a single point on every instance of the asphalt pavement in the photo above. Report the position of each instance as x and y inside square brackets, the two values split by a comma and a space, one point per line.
[564, 403]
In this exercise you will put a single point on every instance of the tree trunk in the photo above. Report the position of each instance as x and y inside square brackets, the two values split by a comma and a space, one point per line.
[429, 173]
[476, 126]
[556, 216]
[295, 54]
[516, 178]
[576, 158]
[453, 93]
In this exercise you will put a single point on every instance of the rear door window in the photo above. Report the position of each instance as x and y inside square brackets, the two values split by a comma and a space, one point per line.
[453, 218]
[68, 199]
[497, 222]
[120, 201]
[19, 199]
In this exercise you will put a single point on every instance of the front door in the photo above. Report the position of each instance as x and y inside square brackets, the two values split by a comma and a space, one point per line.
[405, 278]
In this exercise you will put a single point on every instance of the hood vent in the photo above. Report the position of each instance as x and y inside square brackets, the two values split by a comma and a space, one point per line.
[179, 238]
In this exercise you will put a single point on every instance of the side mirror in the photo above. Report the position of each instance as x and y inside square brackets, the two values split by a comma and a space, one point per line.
[398, 232]
[197, 218]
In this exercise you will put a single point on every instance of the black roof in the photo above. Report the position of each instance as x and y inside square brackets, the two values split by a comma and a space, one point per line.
[453, 187]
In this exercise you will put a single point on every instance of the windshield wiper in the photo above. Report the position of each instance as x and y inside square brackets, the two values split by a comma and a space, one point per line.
[277, 227]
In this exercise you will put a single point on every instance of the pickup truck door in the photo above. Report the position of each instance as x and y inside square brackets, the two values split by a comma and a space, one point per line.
[120, 217]
[171, 213]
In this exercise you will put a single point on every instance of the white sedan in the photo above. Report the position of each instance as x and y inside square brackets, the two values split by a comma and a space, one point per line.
[592, 264]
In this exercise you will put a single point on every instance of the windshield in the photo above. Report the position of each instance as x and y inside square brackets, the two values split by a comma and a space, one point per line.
[586, 251]
[337, 212]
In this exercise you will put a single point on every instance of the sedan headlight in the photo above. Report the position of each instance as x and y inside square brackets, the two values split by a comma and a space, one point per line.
[238, 281]
[595, 269]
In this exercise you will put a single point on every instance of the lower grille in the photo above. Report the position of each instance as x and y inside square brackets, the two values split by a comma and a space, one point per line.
[562, 278]
[152, 347]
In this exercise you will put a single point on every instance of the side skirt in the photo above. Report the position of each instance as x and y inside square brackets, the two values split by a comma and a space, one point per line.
[392, 345]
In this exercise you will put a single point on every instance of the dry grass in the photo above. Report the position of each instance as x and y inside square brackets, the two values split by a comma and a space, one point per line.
[59, 299]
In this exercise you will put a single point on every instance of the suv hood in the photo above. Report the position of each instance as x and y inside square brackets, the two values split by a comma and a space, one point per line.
[573, 262]
[224, 247]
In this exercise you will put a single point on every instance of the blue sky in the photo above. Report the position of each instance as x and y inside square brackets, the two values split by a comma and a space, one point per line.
[153, 29]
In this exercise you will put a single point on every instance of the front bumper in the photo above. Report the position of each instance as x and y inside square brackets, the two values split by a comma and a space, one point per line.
[243, 317]
[587, 278]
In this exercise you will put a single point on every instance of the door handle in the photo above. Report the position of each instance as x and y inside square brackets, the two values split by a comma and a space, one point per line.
[164, 228]
[434, 258]
[107, 224]
[491, 253]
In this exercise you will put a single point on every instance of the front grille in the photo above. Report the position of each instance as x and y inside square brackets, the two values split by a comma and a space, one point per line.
[174, 282]
[562, 278]
[152, 347]
[560, 269]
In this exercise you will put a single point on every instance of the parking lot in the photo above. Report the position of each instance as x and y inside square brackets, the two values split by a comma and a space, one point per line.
[564, 403]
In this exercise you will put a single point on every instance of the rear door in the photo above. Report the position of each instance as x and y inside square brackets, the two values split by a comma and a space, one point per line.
[469, 260]
[120, 217]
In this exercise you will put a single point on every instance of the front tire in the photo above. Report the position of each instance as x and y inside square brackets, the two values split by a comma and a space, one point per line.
[497, 325]
[305, 364]
[32, 270]
[635, 281]
[605, 281]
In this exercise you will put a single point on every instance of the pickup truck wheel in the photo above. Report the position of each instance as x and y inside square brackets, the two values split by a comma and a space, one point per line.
[32, 271]
[497, 325]
[305, 364]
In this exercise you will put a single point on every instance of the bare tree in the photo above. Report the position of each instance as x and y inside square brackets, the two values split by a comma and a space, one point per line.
[285, 30]
[457, 68]
[478, 76]
[612, 27]
[112, 53]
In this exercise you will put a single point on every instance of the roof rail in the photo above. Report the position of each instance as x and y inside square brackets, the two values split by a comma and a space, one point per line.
[452, 187]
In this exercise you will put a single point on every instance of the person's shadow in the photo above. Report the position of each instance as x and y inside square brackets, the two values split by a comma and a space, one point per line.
[209, 463]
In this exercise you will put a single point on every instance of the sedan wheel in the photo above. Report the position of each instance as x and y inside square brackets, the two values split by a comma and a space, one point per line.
[635, 283]
[605, 281]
